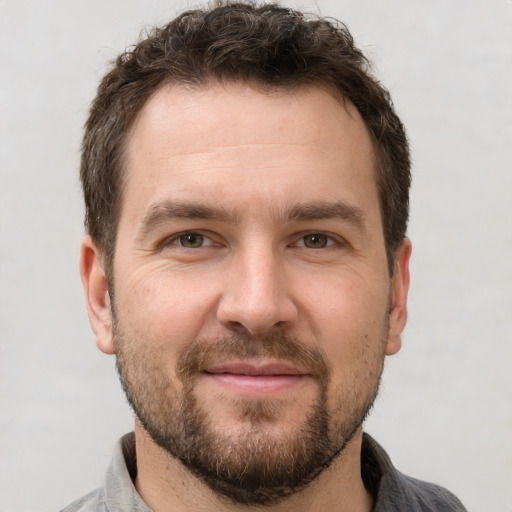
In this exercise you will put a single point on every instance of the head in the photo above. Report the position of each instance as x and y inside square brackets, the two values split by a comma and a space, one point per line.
[271, 47]
[246, 185]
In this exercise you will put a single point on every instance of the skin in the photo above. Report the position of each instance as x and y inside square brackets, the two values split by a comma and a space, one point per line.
[256, 157]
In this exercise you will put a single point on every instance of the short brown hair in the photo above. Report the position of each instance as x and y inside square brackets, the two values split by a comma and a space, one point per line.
[268, 45]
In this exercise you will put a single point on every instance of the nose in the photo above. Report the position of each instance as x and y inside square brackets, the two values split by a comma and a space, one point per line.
[256, 296]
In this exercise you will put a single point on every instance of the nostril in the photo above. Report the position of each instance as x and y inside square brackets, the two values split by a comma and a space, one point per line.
[236, 327]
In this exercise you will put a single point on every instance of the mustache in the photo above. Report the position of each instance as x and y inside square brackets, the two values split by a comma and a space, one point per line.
[201, 353]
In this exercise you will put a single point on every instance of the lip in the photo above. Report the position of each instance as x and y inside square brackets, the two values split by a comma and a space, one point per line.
[256, 379]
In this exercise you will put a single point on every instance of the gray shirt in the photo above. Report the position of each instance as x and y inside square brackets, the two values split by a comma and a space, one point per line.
[392, 491]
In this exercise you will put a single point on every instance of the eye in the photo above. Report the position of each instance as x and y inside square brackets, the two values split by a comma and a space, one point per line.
[315, 241]
[192, 240]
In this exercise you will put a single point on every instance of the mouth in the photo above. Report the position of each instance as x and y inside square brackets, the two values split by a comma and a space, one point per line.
[256, 379]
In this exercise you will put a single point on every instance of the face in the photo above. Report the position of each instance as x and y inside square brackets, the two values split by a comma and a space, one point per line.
[252, 304]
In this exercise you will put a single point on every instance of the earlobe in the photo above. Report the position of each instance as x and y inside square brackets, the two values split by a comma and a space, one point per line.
[97, 298]
[399, 291]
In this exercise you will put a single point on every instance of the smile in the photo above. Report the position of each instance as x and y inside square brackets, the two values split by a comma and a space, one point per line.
[253, 379]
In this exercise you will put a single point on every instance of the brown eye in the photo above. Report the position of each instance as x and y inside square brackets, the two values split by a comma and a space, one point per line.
[316, 241]
[191, 240]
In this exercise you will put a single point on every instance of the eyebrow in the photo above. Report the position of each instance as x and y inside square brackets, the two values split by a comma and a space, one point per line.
[324, 210]
[164, 211]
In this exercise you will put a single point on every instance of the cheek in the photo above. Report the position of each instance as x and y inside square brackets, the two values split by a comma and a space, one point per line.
[345, 305]
[349, 322]
[356, 352]
[162, 305]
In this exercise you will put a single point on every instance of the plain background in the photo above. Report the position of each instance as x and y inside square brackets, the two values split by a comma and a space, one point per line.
[445, 410]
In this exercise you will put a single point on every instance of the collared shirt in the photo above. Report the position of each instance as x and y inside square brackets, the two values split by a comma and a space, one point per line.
[392, 491]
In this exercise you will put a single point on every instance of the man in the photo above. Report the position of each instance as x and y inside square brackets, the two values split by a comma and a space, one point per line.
[246, 184]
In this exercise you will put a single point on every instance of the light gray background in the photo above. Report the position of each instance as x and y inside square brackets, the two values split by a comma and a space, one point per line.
[445, 410]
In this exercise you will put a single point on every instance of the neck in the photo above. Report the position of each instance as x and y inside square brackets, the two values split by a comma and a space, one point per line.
[166, 485]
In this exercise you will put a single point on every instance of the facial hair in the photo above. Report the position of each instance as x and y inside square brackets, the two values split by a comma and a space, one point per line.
[251, 467]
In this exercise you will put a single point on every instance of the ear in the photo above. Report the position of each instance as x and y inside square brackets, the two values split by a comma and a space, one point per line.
[97, 299]
[399, 290]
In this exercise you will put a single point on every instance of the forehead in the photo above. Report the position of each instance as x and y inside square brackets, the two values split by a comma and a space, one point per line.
[223, 114]
[234, 141]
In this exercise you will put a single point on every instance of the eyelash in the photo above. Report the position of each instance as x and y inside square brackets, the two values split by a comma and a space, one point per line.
[329, 240]
[177, 240]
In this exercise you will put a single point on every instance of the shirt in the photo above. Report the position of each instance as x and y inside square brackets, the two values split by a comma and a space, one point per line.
[392, 491]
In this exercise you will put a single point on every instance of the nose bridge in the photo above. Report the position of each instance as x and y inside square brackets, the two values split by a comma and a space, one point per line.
[256, 296]
[259, 274]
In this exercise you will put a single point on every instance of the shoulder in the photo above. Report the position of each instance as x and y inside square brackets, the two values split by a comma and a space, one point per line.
[92, 502]
[425, 496]
[394, 491]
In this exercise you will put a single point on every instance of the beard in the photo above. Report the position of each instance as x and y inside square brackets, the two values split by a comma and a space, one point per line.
[253, 465]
